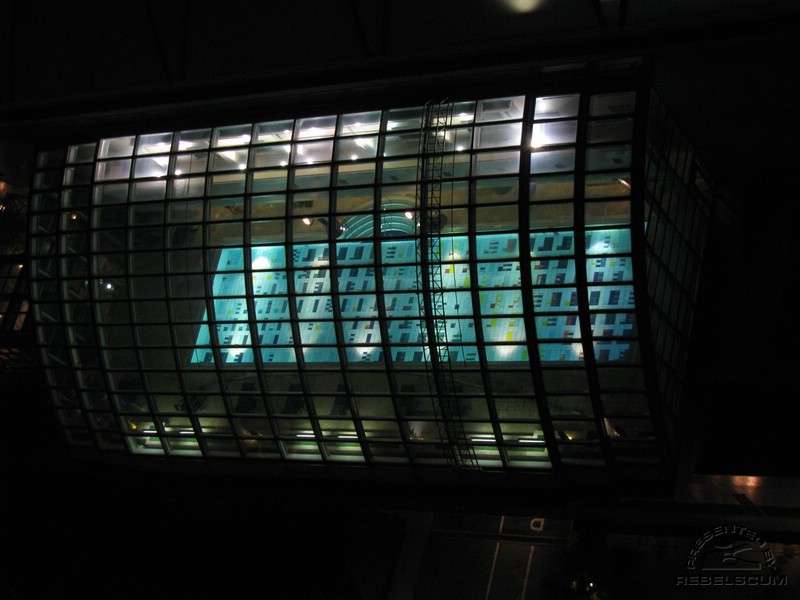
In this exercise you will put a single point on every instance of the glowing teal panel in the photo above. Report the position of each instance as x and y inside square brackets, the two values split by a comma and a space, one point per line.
[493, 246]
[356, 275]
[555, 271]
[455, 276]
[312, 281]
[364, 354]
[402, 278]
[232, 260]
[355, 253]
[500, 274]
[265, 257]
[278, 355]
[356, 279]
[359, 306]
[320, 354]
[233, 334]
[268, 283]
[612, 268]
[405, 331]
[611, 296]
[454, 248]
[552, 243]
[565, 352]
[616, 351]
[401, 305]
[503, 302]
[613, 324]
[272, 307]
[608, 241]
[457, 303]
[230, 309]
[310, 255]
[274, 333]
[317, 332]
[504, 330]
[555, 299]
[398, 251]
[228, 284]
[461, 330]
[558, 327]
[362, 332]
[506, 353]
[237, 355]
[314, 307]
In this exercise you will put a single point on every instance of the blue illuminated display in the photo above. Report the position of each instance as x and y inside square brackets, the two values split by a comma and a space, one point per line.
[354, 321]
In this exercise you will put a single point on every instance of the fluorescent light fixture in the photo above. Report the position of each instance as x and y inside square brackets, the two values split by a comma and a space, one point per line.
[306, 435]
[482, 439]
[408, 214]
[347, 437]
[306, 221]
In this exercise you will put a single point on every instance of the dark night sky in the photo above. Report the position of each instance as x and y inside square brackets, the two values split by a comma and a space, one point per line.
[726, 75]
[729, 85]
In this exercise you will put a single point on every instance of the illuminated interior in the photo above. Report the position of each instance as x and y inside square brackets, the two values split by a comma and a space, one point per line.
[259, 290]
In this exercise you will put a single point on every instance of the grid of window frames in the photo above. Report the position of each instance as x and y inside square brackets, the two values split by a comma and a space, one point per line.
[250, 290]
[678, 204]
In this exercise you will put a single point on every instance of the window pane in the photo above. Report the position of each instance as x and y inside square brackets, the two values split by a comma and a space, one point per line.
[155, 143]
[494, 136]
[553, 161]
[274, 131]
[360, 123]
[500, 109]
[557, 132]
[612, 104]
[553, 107]
[317, 127]
[114, 147]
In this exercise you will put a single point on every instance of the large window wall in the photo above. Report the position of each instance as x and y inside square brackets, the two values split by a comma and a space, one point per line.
[254, 289]
[678, 205]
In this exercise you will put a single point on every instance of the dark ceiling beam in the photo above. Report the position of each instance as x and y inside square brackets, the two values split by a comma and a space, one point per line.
[159, 42]
[623, 11]
[598, 11]
[360, 30]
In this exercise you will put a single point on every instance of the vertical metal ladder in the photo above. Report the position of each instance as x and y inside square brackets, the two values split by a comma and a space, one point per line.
[430, 290]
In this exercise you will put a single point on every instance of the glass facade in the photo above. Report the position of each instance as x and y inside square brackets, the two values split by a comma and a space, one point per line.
[258, 290]
[678, 204]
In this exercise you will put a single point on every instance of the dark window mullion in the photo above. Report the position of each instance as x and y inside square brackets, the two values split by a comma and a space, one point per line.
[590, 363]
[527, 287]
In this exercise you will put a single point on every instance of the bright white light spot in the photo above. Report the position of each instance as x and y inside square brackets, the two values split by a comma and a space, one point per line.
[284, 163]
[262, 262]
[242, 166]
[306, 221]
[625, 183]
[178, 172]
[459, 148]
[408, 214]
[109, 286]
[522, 6]
[353, 157]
